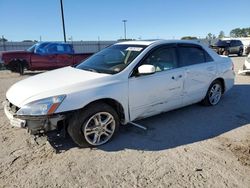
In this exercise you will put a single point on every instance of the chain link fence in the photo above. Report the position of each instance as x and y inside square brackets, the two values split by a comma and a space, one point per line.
[79, 46]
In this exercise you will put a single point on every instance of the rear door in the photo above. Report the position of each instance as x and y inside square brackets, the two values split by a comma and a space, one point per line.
[65, 55]
[233, 47]
[200, 69]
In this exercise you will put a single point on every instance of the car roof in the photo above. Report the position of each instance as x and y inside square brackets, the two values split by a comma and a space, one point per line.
[52, 43]
[149, 42]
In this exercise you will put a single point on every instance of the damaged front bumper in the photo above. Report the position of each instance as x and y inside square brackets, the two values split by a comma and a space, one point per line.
[35, 124]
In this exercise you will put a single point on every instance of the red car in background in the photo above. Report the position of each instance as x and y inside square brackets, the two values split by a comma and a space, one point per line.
[42, 56]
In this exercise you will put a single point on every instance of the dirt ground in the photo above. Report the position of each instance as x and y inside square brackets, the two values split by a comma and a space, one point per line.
[195, 146]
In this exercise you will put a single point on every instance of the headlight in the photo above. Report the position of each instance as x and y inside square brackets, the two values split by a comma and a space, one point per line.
[45, 106]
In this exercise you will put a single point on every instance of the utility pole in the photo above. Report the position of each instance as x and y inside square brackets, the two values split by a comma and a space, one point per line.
[3, 40]
[99, 45]
[125, 29]
[64, 33]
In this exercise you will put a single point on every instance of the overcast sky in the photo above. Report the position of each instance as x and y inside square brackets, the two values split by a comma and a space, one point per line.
[147, 19]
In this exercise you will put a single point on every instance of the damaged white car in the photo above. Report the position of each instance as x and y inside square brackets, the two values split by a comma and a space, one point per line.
[118, 85]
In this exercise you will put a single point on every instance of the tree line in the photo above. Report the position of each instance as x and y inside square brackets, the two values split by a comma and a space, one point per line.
[237, 32]
[240, 32]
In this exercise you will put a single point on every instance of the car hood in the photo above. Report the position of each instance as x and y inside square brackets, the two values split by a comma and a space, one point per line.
[57, 82]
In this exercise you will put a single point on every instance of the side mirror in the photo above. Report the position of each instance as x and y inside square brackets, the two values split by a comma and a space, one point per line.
[146, 69]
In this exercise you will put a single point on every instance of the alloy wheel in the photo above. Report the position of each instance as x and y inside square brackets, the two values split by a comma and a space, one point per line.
[215, 94]
[99, 128]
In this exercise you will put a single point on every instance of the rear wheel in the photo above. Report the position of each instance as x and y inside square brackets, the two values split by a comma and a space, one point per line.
[226, 53]
[94, 125]
[214, 94]
[240, 52]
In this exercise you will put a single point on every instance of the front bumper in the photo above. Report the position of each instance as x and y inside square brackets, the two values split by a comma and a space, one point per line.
[15, 122]
[35, 124]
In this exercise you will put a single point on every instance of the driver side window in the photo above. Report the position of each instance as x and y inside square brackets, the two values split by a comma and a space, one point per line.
[162, 59]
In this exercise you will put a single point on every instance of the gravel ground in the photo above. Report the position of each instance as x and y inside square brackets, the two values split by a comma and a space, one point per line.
[194, 146]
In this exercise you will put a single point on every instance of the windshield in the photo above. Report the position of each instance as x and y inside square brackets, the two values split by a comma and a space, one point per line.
[37, 45]
[32, 48]
[112, 59]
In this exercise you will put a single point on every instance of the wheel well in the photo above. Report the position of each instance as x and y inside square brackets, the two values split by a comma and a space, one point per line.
[114, 104]
[221, 80]
[14, 62]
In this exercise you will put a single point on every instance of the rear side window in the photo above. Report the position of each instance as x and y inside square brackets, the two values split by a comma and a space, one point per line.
[233, 43]
[189, 55]
[60, 48]
[64, 48]
[239, 42]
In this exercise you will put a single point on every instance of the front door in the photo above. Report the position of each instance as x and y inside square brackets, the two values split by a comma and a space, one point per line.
[43, 61]
[158, 92]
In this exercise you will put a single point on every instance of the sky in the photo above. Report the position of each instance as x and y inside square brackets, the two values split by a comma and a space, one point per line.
[146, 19]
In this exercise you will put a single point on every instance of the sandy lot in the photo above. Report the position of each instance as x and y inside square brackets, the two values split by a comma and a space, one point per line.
[194, 146]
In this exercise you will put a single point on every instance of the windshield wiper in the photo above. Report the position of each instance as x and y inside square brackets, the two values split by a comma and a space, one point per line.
[90, 69]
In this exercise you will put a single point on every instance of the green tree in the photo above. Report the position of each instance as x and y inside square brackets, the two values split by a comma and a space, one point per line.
[221, 35]
[209, 36]
[238, 32]
[189, 38]
[3, 39]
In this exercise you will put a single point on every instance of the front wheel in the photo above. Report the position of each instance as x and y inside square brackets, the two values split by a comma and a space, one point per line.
[20, 68]
[94, 125]
[214, 94]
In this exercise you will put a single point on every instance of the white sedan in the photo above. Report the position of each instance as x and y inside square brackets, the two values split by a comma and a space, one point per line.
[246, 66]
[118, 85]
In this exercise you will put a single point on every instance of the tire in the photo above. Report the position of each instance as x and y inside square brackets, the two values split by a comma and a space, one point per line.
[226, 53]
[240, 52]
[85, 127]
[214, 94]
[20, 68]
